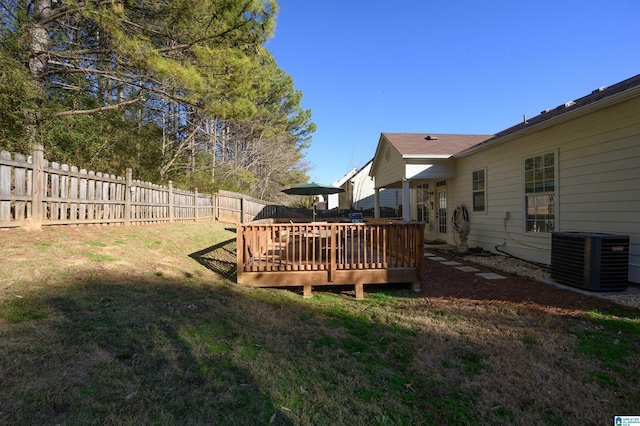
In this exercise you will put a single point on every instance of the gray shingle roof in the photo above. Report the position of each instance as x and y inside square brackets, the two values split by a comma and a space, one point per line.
[596, 95]
[432, 144]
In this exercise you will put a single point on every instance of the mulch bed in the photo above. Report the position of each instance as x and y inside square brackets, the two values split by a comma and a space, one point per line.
[443, 281]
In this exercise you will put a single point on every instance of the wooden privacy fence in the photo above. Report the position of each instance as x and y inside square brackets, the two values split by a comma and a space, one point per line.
[312, 254]
[238, 208]
[36, 192]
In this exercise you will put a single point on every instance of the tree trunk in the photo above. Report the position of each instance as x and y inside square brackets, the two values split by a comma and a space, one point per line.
[40, 40]
[39, 44]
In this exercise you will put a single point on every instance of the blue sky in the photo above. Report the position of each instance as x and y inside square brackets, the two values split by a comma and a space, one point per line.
[470, 67]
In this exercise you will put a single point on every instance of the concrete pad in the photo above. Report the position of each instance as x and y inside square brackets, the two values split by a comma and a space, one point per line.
[490, 276]
[451, 263]
[467, 269]
[437, 258]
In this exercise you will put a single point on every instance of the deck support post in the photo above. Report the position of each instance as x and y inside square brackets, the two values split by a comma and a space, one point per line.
[359, 291]
[306, 291]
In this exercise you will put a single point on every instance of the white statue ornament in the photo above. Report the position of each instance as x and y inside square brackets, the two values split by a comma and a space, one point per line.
[460, 223]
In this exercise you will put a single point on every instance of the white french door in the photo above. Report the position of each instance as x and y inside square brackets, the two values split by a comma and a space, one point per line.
[441, 213]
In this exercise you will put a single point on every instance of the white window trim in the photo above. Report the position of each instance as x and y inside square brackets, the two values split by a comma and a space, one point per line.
[556, 191]
[486, 190]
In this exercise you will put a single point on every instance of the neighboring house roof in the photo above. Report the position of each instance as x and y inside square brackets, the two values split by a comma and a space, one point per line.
[581, 105]
[365, 166]
[429, 145]
[338, 183]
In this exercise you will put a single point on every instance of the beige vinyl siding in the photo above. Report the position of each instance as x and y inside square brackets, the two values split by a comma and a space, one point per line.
[505, 193]
[389, 171]
[597, 188]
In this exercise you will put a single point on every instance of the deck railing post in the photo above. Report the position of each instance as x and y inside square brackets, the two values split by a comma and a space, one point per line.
[333, 248]
[239, 253]
[419, 253]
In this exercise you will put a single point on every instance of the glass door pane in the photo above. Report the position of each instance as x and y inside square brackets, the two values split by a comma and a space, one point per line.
[442, 212]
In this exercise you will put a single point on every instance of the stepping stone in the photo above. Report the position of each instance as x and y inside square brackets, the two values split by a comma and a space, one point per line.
[467, 269]
[490, 276]
[437, 258]
[428, 254]
[451, 263]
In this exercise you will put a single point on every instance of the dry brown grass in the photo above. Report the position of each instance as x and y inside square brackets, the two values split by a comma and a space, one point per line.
[141, 325]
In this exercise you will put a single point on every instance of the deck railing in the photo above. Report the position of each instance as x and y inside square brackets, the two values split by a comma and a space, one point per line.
[308, 254]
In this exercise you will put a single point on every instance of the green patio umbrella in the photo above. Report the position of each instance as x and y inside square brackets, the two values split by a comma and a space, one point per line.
[312, 189]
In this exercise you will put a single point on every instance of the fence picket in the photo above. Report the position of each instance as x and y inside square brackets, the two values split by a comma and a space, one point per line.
[91, 196]
[54, 192]
[29, 187]
[105, 196]
[64, 191]
[20, 188]
[82, 195]
[5, 188]
[73, 194]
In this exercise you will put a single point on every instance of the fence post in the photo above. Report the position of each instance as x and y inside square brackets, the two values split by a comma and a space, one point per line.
[127, 197]
[195, 205]
[216, 208]
[171, 201]
[242, 209]
[37, 190]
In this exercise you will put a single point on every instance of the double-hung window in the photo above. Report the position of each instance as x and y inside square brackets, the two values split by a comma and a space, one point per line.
[479, 189]
[540, 192]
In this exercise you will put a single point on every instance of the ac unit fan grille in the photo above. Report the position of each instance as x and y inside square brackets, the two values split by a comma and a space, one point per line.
[597, 262]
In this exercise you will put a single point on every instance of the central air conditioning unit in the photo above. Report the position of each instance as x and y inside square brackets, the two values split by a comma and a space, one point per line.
[591, 261]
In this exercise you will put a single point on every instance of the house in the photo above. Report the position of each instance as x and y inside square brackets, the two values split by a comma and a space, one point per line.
[572, 168]
[418, 166]
[359, 193]
[338, 201]
[364, 194]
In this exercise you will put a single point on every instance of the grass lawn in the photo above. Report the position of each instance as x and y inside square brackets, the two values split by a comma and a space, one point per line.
[145, 325]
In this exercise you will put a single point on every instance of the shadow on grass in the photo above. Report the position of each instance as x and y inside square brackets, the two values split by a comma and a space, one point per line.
[145, 351]
[220, 258]
[111, 349]
[105, 348]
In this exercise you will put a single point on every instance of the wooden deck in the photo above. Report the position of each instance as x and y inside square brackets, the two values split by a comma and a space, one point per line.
[314, 254]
